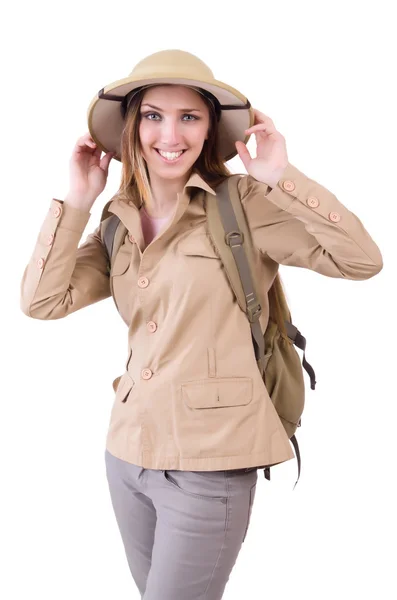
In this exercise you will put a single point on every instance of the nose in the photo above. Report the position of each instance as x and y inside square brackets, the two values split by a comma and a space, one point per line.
[171, 134]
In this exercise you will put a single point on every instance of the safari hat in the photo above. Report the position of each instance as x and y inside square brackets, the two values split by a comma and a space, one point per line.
[106, 111]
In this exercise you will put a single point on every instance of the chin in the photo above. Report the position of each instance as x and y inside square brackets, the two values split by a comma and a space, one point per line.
[170, 172]
[175, 175]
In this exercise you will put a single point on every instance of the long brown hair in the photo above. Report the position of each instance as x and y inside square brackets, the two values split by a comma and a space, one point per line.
[135, 184]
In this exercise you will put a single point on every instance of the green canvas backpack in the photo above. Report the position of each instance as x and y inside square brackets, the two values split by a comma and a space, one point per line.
[278, 360]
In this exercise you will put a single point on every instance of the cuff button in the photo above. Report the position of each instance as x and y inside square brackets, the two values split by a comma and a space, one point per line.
[334, 216]
[40, 263]
[313, 202]
[289, 185]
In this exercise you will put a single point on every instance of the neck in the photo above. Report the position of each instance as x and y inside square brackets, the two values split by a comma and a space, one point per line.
[164, 195]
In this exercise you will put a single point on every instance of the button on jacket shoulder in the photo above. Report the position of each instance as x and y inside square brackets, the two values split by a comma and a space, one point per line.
[191, 396]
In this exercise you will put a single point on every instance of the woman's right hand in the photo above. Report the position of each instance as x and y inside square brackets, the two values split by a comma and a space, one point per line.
[88, 173]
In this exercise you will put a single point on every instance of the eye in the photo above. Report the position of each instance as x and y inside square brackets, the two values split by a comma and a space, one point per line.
[148, 115]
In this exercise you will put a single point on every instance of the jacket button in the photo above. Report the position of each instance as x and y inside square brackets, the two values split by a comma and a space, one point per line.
[146, 374]
[334, 216]
[57, 211]
[288, 185]
[143, 282]
[131, 238]
[313, 202]
[151, 326]
[40, 263]
[50, 239]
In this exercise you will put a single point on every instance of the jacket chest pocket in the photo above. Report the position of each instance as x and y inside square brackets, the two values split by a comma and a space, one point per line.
[198, 246]
[200, 262]
[121, 262]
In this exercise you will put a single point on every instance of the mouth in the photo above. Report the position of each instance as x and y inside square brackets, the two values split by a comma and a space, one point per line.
[170, 157]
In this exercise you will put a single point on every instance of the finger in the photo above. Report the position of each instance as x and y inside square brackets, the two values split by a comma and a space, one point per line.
[261, 115]
[105, 161]
[84, 141]
[265, 127]
[243, 154]
[97, 153]
[87, 137]
[87, 147]
[90, 143]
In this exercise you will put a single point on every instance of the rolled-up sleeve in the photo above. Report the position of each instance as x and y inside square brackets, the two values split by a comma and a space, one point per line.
[300, 223]
[62, 277]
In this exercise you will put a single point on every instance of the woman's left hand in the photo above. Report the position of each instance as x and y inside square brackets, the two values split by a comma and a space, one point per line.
[271, 152]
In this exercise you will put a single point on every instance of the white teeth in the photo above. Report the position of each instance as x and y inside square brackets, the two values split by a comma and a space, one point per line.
[170, 155]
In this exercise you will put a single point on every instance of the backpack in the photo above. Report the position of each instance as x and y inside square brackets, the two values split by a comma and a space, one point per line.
[278, 360]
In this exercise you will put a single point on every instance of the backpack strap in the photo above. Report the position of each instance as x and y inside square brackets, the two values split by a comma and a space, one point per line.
[298, 458]
[300, 341]
[228, 238]
[293, 333]
[230, 233]
[113, 232]
[109, 233]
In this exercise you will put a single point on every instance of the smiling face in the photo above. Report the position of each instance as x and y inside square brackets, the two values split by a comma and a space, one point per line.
[174, 122]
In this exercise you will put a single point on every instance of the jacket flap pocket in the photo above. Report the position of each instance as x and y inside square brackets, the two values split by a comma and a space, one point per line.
[230, 391]
[122, 261]
[124, 387]
[198, 245]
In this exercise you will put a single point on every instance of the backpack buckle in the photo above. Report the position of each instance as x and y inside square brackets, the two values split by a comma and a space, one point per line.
[254, 312]
[234, 238]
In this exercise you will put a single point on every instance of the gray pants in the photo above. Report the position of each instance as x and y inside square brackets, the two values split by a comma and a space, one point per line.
[181, 530]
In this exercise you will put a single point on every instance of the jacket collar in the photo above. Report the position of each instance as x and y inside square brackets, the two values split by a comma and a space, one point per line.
[195, 180]
[121, 208]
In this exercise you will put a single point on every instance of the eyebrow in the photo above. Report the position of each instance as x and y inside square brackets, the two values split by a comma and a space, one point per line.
[181, 109]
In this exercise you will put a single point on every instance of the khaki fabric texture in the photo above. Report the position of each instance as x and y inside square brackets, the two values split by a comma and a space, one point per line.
[191, 396]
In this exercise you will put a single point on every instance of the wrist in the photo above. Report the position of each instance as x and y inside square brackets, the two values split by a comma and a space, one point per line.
[277, 175]
[79, 202]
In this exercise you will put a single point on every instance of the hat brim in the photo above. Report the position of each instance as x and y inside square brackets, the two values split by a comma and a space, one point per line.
[105, 121]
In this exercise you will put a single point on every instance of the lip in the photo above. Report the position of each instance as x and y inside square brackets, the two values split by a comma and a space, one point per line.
[169, 162]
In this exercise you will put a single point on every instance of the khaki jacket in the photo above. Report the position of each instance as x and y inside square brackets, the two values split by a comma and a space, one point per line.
[191, 396]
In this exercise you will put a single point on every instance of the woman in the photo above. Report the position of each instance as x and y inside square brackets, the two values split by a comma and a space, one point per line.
[192, 420]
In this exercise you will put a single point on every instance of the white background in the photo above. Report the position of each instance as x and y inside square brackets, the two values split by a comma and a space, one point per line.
[325, 73]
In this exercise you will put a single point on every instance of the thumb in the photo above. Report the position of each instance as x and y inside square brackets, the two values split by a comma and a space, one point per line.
[243, 154]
